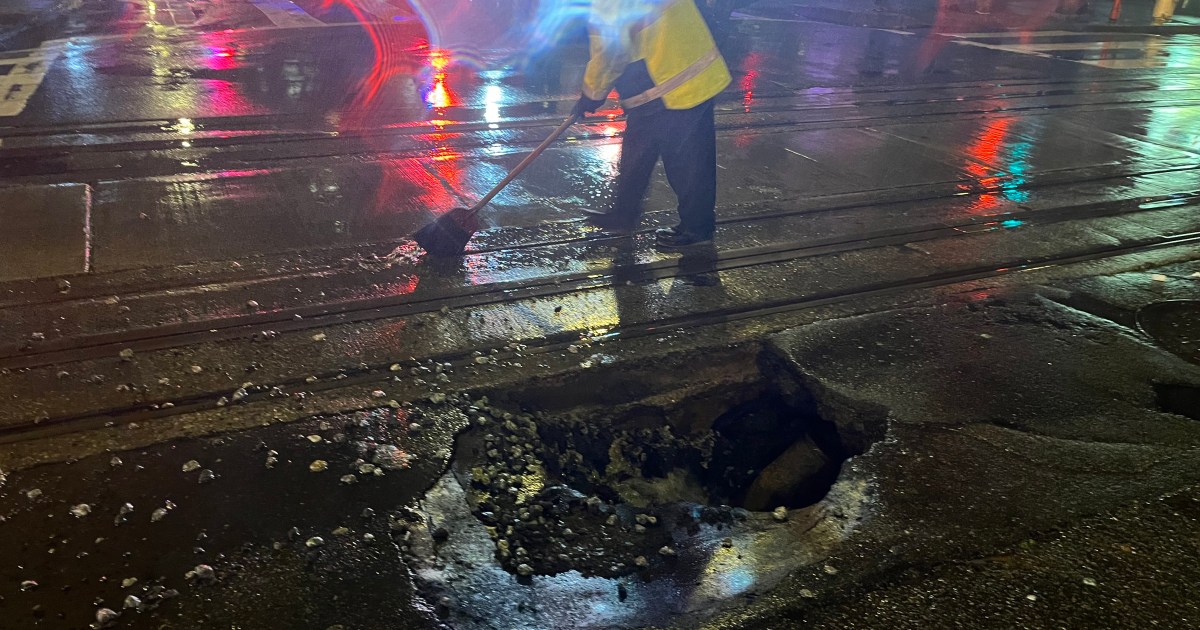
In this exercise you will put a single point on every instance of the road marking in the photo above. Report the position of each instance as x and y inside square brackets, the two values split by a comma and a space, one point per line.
[1064, 46]
[23, 76]
[1124, 63]
[285, 13]
[1117, 51]
[1003, 47]
[1025, 34]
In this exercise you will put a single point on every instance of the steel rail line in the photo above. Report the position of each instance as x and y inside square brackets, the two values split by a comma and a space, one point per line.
[375, 374]
[214, 139]
[261, 267]
[100, 345]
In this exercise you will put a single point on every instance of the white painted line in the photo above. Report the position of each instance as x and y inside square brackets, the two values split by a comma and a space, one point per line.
[892, 30]
[23, 79]
[758, 18]
[1026, 34]
[285, 13]
[1004, 47]
[1046, 49]
[1118, 64]
[800, 154]
[1077, 46]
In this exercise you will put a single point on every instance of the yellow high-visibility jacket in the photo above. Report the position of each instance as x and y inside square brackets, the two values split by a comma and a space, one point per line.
[655, 52]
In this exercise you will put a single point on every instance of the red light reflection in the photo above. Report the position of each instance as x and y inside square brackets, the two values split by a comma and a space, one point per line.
[221, 58]
[412, 185]
[750, 79]
[396, 49]
[402, 51]
[985, 153]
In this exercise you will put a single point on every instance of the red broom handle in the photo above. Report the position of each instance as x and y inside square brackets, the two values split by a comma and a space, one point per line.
[1115, 14]
[526, 162]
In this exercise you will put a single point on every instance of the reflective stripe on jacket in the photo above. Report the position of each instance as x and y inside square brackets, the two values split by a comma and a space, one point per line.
[651, 50]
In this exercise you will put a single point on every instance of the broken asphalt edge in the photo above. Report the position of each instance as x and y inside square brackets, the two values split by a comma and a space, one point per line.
[954, 490]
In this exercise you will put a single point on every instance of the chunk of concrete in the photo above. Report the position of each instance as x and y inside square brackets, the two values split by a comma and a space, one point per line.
[791, 475]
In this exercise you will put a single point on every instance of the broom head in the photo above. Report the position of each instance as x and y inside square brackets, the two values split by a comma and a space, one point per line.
[448, 236]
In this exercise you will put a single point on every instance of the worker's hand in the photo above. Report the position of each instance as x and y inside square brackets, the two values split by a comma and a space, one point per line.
[586, 105]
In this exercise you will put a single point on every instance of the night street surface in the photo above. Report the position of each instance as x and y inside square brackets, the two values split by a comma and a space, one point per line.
[939, 370]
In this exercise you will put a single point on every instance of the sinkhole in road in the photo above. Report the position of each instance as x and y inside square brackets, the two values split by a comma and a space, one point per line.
[609, 490]
[759, 454]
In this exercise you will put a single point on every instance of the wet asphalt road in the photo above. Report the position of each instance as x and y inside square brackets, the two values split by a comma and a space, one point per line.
[228, 186]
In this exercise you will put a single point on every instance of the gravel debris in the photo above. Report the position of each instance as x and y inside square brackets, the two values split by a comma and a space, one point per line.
[390, 457]
[202, 573]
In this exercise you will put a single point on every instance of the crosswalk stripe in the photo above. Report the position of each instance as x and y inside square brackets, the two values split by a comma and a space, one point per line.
[285, 13]
[24, 76]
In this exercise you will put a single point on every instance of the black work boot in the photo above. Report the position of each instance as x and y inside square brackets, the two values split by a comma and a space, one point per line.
[672, 239]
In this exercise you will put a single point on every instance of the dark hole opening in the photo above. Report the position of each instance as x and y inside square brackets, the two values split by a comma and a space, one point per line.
[1181, 400]
[760, 454]
[769, 452]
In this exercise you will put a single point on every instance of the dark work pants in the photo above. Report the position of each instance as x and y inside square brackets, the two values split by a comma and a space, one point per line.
[686, 140]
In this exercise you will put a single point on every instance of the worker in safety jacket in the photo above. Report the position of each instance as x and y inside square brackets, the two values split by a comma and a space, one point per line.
[661, 58]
